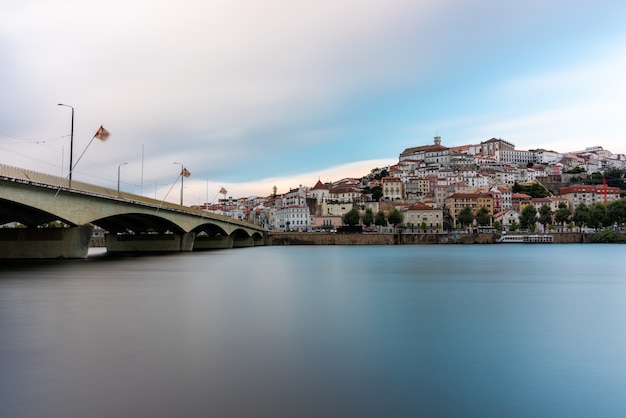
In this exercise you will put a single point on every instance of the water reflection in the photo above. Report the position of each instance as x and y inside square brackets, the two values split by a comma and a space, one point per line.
[318, 331]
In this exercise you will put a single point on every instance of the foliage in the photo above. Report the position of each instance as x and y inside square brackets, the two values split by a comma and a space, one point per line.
[607, 236]
[423, 226]
[534, 190]
[545, 215]
[376, 192]
[368, 217]
[482, 216]
[395, 217]
[617, 211]
[598, 216]
[497, 225]
[581, 215]
[614, 173]
[528, 217]
[576, 170]
[352, 217]
[380, 219]
[562, 214]
[466, 217]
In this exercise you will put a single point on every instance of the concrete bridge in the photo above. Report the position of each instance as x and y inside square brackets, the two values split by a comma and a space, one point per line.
[132, 223]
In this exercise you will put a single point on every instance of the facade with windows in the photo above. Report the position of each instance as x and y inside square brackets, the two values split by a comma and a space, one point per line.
[393, 188]
[292, 218]
[575, 195]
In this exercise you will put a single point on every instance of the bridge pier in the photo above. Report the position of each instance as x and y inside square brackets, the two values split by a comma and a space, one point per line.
[212, 243]
[149, 243]
[242, 242]
[40, 243]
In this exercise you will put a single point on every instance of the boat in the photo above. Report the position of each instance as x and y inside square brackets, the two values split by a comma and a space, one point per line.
[525, 239]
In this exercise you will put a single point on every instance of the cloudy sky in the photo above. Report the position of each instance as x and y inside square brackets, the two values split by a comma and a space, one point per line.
[251, 94]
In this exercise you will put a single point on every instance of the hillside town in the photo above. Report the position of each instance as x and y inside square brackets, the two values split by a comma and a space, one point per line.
[434, 188]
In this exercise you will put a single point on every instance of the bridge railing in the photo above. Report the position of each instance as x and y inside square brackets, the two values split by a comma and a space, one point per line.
[48, 180]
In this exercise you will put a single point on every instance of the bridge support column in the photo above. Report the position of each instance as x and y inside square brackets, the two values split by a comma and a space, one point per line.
[212, 243]
[242, 242]
[30, 243]
[149, 243]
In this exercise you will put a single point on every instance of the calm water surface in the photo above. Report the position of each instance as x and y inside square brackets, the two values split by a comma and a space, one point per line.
[328, 331]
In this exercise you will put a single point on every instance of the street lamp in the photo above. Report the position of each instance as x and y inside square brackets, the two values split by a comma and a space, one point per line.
[182, 178]
[118, 178]
[71, 141]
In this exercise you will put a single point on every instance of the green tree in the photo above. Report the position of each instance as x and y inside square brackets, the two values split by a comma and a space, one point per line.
[497, 225]
[528, 217]
[617, 211]
[581, 215]
[380, 219]
[352, 217]
[395, 218]
[562, 214]
[482, 216]
[368, 217]
[514, 226]
[598, 215]
[545, 215]
[614, 173]
[465, 216]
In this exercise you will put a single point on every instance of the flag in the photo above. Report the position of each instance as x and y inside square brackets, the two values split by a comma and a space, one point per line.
[223, 191]
[102, 134]
[185, 173]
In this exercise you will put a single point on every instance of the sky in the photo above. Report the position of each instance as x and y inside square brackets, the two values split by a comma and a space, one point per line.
[248, 95]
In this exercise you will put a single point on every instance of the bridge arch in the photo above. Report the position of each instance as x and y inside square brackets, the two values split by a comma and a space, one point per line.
[138, 223]
[27, 215]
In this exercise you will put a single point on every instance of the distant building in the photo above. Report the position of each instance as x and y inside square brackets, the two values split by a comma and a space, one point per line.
[435, 154]
[493, 146]
[420, 215]
[575, 195]
[458, 201]
[393, 188]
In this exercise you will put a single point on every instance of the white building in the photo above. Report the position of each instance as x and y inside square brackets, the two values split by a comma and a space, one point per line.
[292, 218]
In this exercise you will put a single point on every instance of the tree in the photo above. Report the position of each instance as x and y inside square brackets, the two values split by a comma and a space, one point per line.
[617, 211]
[528, 217]
[368, 217]
[545, 215]
[395, 218]
[482, 216]
[465, 216]
[581, 215]
[562, 214]
[352, 217]
[514, 226]
[598, 215]
[497, 225]
[380, 219]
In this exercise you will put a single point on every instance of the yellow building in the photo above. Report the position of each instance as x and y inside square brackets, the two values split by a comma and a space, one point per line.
[458, 201]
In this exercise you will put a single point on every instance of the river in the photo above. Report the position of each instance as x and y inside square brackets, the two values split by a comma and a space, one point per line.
[510, 330]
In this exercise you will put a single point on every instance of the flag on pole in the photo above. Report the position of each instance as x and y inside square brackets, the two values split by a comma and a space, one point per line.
[102, 133]
[185, 173]
[223, 191]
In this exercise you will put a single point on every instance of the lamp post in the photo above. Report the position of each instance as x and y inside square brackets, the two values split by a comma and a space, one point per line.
[118, 178]
[182, 179]
[71, 141]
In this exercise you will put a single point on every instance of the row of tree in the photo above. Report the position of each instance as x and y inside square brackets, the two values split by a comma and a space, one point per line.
[353, 217]
[597, 215]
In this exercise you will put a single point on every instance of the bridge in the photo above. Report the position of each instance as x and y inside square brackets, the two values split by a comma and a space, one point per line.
[36, 202]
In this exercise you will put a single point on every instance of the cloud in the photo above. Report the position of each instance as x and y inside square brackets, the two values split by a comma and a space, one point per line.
[240, 90]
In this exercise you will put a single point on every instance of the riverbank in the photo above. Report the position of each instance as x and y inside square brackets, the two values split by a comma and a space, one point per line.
[320, 238]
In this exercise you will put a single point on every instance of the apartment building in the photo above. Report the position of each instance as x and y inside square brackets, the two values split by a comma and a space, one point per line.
[575, 195]
[458, 201]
